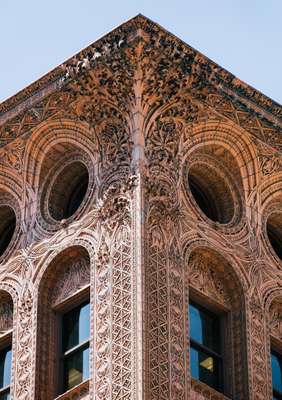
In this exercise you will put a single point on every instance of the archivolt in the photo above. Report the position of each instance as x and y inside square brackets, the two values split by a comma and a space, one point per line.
[235, 268]
[49, 134]
[231, 139]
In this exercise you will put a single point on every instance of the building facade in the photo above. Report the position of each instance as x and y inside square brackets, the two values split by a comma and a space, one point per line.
[141, 228]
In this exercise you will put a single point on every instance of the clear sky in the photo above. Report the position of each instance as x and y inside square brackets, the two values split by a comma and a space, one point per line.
[243, 36]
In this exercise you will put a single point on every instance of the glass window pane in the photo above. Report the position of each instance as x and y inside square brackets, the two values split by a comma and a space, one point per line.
[5, 367]
[204, 328]
[276, 365]
[76, 367]
[5, 396]
[204, 368]
[76, 326]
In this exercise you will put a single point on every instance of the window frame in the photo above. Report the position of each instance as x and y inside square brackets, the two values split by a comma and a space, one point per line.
[59, 310]
[223, 314]
[6, 340]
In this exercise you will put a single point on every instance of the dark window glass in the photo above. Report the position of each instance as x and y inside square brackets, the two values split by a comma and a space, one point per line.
[205, 352]
[76, 368]
[276, 366]
[5, 396]
[76, 327]
[204, 328]
[206, 203]
[75, 345]
[5, 372]
[205, 367]
[5, 367]
[76, 196]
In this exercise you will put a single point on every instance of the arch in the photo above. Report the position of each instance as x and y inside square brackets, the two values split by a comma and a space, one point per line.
[59, 155]
[234, 140]
[235, 273]
[11, 214]
[215, 282]
[271, 217]
[66, 274]
[191, 243]
[214, 152]
[52, 133]
[8, 304]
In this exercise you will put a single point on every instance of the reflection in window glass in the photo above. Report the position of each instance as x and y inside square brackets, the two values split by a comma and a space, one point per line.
[5, 373]
[76, 327]
[204, 328]
[75, 345]
[276, 366]
[5, 396]
[204, 367]
[5, 367]
[77, 368]
[205, 357]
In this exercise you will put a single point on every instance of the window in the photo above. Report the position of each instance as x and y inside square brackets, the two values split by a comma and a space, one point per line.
[75, 334]
[5, 372]
[205, 346]
[64, 325]
[276, 366]
[274, 232]
[68, 190]
[7, 227]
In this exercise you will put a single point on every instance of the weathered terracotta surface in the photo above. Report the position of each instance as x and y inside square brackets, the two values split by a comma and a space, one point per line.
[141, 109]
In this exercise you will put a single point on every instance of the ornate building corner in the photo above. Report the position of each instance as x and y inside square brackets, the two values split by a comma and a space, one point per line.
[140, 192]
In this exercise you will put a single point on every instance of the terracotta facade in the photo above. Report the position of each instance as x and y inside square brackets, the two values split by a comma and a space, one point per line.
[148, 117]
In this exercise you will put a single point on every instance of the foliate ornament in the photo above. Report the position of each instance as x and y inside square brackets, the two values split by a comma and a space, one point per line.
[269, 159]
[6, 316]
[115, 205]
[12, 156]
[205, 277]
[164, 205]
[25, 332]
[162, 142]
[75, 276]
[275, 320]
[258, 355]
[103, 323]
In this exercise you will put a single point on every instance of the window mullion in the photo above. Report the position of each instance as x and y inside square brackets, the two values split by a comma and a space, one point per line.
[4, 390]
[76, 348]
[205, 349]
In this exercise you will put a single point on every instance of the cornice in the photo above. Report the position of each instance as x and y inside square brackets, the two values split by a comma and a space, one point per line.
[225, 82]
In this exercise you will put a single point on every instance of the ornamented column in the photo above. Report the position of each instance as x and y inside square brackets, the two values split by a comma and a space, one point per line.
[258, 353]
[115, 299]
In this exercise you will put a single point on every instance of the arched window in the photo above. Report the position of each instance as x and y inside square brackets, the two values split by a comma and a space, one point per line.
[214, 183]
[64, 324]
[275, 325]
[6, 326]
[215, 309]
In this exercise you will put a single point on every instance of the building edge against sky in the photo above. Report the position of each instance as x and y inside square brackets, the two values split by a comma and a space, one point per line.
[141, 228]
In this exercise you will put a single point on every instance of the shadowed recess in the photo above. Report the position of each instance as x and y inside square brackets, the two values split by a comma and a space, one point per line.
[7, 227]
[68, 191]
[274, 232]
[211, 193]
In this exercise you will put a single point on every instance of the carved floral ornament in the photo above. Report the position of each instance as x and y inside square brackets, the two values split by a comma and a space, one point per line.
[140, 109]
[275, 319]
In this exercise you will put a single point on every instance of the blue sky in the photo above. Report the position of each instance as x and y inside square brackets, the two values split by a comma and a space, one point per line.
[243, 36]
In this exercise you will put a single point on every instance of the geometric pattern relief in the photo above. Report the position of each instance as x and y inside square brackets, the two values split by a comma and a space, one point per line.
[259, 357]
[122, 318]
[158, 318]
[141, 110]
